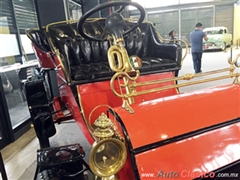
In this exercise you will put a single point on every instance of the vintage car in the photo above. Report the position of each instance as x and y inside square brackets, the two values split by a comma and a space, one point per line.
[218, 38]
[119, 81]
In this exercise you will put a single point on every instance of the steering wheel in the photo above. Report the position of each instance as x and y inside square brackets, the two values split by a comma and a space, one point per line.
[114, 22]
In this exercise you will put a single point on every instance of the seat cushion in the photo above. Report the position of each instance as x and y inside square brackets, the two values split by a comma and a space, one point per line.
[155, 63]
[93, 71]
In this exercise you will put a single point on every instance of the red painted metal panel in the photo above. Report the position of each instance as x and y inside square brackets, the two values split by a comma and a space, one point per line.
[44, 58]
[98, 93]
[66, 94]
[68, 99]
[163, 115]
[192, 157]
[127, 172]
[167, 117]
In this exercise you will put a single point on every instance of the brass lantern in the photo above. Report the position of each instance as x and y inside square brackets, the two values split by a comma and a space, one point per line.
[108, 154]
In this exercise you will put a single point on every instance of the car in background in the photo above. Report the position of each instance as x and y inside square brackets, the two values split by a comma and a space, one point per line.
[218, 38]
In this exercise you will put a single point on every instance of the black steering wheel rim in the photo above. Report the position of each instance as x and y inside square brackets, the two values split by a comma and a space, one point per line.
[106, 5]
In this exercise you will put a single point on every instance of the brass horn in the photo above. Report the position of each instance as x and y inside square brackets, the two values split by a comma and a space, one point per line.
[119, 61]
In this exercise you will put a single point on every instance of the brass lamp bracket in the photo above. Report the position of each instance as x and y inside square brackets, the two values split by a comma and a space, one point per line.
[108, 154]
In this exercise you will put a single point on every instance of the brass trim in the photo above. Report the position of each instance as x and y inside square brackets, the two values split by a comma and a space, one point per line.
[103, 127]
[63, 67]
[184, 77]
[60, 22]
[83, 114]
[187, 84]
[107, 136]
[119, 51]
[175, 82]
[175, 41]
[56, 50]
[120, 40]
[27, 33]
[169, 40]
[101, 105]
[113, 177]
[30, 37]
[131, 84]
[236, 61]
[118, 59]
[114, 168]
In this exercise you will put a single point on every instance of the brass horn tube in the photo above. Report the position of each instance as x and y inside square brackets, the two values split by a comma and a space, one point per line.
[112, 52]
[236, 61]
[126, 82]
[128, 90]
[118, 58]
[186, 84]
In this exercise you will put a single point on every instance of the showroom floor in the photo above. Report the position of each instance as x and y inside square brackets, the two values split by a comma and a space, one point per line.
[21, 154]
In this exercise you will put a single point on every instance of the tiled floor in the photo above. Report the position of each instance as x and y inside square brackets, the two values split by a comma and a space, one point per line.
[20, 155]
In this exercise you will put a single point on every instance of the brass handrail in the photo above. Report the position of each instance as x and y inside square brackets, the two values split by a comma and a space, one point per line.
[187, 84]
[168, 40]
[130, 82]
[237, 64]
[175, 41]
[184, 77]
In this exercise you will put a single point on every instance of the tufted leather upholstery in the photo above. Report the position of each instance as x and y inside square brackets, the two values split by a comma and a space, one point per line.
[39, 39]
[86, 61]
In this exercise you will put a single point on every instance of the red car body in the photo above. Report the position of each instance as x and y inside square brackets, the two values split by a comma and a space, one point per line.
[171, 135]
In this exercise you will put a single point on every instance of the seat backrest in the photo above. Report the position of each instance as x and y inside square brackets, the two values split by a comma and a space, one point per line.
[39, 39]
[86, 61]
[81, 51]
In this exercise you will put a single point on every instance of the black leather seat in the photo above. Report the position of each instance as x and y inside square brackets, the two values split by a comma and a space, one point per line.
[39, 39]
[86, 61]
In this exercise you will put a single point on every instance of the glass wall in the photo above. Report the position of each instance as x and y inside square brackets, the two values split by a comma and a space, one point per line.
[171, 21]
[157, 19]
[187, 23]
[183, 15]
[161, 3]
[154, 3]
[14, 94]
[8, 34]
[15, 17]
[165, 22]
[189, 18]
[74, 10]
